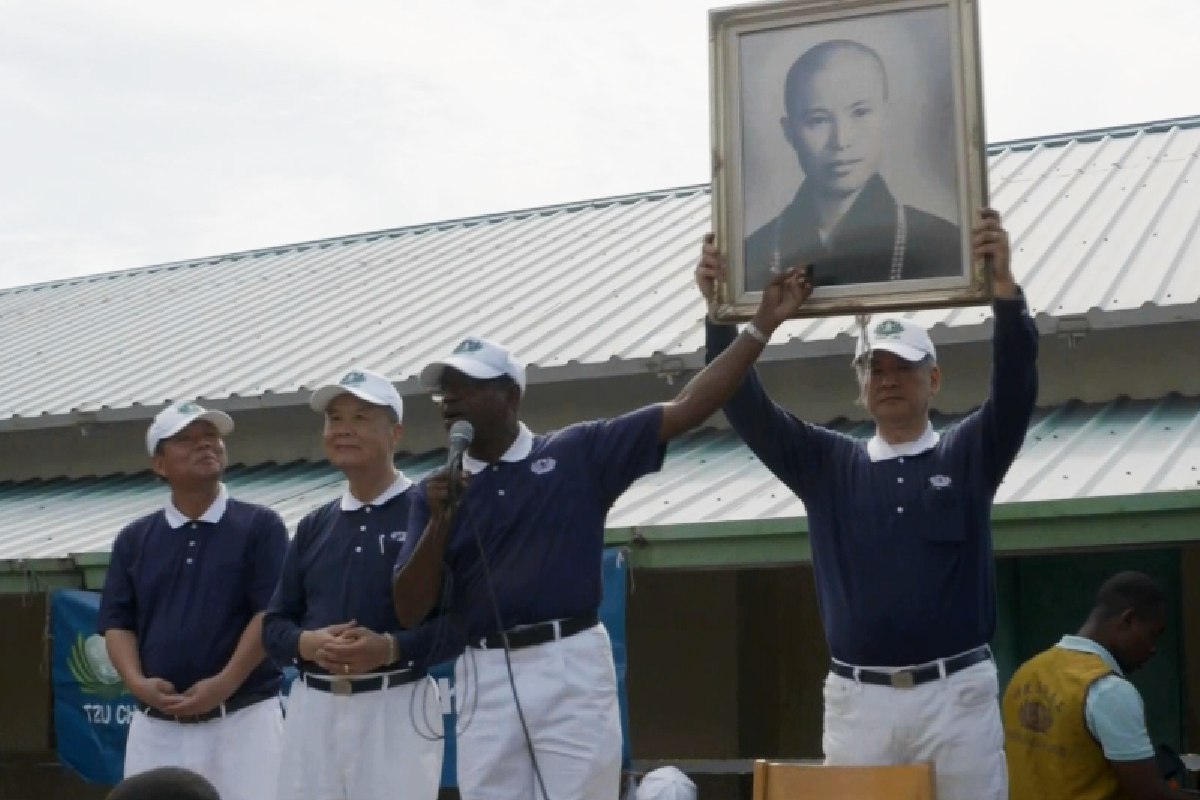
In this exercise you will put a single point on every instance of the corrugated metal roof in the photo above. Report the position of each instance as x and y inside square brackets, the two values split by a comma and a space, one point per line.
[1103, 223]
[1072, 452]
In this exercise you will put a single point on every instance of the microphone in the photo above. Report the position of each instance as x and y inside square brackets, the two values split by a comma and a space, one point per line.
[461, 434]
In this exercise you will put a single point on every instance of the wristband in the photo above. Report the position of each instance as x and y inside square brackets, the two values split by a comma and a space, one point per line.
[755, 333]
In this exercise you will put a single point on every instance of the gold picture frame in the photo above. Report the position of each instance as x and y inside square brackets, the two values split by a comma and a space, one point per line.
[848, 136]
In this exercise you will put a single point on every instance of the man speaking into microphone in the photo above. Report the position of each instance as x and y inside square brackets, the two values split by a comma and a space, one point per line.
[516, 564]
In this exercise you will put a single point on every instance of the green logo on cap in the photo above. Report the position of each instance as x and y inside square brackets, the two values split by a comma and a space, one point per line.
[889, 327]
[353, 379]
[188, 408]
[468, 346]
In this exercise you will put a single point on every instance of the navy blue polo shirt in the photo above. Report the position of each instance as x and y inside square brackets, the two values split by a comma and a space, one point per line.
[901, 542]
[338, 569]
[188, 588]
[540, 513]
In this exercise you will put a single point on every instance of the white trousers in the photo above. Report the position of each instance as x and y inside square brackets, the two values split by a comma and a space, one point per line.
[953, 723]
[238, 753]
[568, 693]
[380, 745]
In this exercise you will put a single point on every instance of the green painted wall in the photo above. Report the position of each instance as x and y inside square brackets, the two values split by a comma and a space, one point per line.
[1040, 598]
[1006, 646]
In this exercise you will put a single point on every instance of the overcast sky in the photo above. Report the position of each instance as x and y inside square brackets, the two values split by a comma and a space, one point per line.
[138, 132]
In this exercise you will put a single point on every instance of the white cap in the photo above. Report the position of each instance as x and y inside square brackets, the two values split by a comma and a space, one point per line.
[177, 416]
[666, 783]
[903, 337]
[479, 359]
[363, 384]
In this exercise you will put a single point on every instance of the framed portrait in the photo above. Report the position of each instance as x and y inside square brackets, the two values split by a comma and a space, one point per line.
[848, 139]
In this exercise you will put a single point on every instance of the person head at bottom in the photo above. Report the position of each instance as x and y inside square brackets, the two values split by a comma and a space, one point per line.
[165, 783]
[666, 783]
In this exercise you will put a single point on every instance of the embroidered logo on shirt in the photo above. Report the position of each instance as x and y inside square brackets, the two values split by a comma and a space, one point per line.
[889, 327]
[396, 536]
[469, 346]
[940, 481]
[353, 379]
[542, 466]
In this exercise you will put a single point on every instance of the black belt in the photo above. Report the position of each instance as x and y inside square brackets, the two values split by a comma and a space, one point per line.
[541, 633]
[339, 685]
[908, 678]
[230, 706]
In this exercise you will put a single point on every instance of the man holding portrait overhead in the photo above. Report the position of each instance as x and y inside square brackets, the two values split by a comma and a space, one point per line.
[844, 220]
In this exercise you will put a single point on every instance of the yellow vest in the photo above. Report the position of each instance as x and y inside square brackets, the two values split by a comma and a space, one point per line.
[1051, 753]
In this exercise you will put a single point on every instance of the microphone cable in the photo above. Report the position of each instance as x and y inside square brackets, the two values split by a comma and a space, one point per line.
[440, 635]
[495, 603]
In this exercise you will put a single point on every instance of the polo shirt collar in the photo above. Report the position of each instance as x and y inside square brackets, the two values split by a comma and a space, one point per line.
[352, 503]
[1082, 644]
[176, 518]
[879, 450]
[519, 450]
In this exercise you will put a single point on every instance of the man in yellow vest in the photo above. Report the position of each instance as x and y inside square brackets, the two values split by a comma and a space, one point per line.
[1074, 725]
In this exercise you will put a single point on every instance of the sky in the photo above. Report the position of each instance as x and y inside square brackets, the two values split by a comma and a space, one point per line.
[138, 132]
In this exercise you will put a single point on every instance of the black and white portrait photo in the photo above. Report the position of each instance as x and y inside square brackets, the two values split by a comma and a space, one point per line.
[851, 152]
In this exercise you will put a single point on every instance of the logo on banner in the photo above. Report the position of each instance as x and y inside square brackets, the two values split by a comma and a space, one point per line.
[92, 669]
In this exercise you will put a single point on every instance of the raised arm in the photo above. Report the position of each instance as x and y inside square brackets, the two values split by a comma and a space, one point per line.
[1004, 417]
[784, 444]
[706, 393]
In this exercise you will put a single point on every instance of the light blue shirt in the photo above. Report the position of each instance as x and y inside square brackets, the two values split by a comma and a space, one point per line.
[1113, 710]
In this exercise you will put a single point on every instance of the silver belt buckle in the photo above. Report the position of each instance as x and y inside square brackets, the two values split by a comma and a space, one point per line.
[903, 680]
[340, 687]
